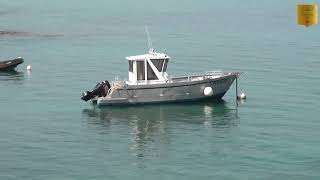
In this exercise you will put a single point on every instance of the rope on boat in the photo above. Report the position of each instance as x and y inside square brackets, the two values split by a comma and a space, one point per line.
[113, 88]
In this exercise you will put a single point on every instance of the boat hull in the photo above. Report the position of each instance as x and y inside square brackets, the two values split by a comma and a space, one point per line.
[169, 92]
[10, 65]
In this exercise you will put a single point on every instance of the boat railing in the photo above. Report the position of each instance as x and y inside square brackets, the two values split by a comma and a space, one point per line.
[214, 73]
[196, 76]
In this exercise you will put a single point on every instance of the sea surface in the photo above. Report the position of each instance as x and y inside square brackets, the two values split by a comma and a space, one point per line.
[47, 132]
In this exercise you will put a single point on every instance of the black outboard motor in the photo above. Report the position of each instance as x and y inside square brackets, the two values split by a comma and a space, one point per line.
[100, 90]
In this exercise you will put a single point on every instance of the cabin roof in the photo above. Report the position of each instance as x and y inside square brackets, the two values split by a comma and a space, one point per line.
[150, 55]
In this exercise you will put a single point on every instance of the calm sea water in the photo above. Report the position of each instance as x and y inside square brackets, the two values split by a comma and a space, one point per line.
[47, 132]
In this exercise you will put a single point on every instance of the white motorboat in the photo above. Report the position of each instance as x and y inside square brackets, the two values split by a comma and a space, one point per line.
[149, 82]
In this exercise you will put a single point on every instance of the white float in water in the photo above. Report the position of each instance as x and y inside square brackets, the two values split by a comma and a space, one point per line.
[208, 91]
[241, 96]
[29, 68]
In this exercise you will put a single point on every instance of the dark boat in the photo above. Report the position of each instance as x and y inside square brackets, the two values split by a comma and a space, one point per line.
[10, 64]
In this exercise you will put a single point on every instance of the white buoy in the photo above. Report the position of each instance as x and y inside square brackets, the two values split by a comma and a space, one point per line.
[241, 96]
[208, 91]
[29, 68]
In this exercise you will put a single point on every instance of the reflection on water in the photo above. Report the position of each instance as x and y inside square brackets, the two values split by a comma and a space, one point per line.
[241, 101]
[149, 126]
[11, 76]
[217, 114]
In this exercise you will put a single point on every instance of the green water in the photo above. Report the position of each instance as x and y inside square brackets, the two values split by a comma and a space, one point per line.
[47, 132]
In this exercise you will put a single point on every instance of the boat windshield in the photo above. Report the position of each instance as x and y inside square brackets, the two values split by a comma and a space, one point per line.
[160, 64]
[165, 64]
[150, 74]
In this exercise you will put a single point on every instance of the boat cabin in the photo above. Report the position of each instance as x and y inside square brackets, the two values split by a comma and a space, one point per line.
[148, 68]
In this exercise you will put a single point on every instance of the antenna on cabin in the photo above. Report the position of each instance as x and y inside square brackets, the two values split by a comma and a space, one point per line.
[149, 40]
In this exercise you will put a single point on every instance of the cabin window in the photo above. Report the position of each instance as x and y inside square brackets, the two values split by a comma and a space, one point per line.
[140, 70]
[157, 63]
[165, 65]
[131, 66]
[150, 74]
